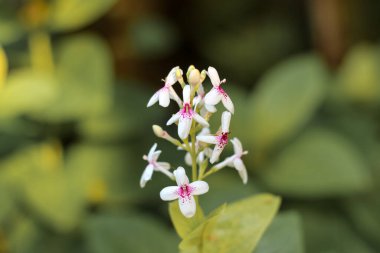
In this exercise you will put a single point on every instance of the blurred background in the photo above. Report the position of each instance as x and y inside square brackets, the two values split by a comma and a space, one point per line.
[76, 76]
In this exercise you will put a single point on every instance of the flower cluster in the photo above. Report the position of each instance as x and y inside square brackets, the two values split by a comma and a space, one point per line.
[192, 118]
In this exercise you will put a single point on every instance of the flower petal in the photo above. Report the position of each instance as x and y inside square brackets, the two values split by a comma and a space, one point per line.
[146, 176]
[214, 76]
[151, 151]
[164, 165]
[153, 99]
[171, 78]
[227, 102]
[208, 139]
[238, 148]
[204, 131]
[224, 163]
[210, 108]
[216, 153]
[226, 119]
[240, 167]
[200, 120]
[164, 97]
[155, 155]
[184, 126]
[186, 94]
[188, 159]
[173, 95]
[169, 193]
[173, 119]
[199, 187]
[213, 97]
[180, 176]
[166, 172]
[187, 206]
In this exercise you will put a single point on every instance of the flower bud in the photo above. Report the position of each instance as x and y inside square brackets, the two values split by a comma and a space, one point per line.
[194, 77]
[158, 131]
[203, 75]
[191, 68]
[179, 77]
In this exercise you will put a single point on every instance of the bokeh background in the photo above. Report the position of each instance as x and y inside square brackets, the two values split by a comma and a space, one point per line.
[75, 80]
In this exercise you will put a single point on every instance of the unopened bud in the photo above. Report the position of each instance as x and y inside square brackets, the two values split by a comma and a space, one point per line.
[179, 77]
[203, 75]
[158, 131]
[191, 68]
[194, 77]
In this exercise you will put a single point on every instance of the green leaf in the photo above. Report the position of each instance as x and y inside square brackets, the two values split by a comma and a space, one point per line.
[132, 233]
[320, 163]
[11, 30]
[67, 15]
[240, 227]
[85, 74]
[284, 235]
[27, 92]
[184, 225]
[3, 67]
[285, 100]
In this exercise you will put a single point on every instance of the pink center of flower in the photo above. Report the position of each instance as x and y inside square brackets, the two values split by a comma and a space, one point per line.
[221, 91]
[185, 191]
[186, 111]
[222, 139]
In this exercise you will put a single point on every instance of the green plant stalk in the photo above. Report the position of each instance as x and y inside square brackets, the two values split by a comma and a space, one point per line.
[41, 53]
[193, 152]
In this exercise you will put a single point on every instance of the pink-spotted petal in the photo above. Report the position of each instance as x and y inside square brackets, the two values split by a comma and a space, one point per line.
[213, 97]
[169, 193]
[180, 176]
[184, 126]
[187, 206]
[226, 119]
[200, 120]
[199, 187]
[186, 94]
[174, 118]
[216, 153]
[163, 97]
[227, 102]
[171, 77]
[147, 175]
[240, 167]
[153, 99]
[214, 76]
[208, 139]
[238, 148]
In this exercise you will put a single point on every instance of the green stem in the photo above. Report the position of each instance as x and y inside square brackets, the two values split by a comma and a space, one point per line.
[193, 152]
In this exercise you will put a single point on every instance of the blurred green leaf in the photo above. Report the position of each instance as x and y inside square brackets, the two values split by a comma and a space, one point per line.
[132, 233]
[285, 100]
[86, 77]
[327, 231]
[27, 92]
[10, 29]
[3, 67]
[319, 163]
[284, 235]
[357, 79]
[67, 15]
[241, 226]
[184, 225]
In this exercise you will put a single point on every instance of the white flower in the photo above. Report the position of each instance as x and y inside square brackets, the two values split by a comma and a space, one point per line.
[217, 93]
[206, 152]
[164, 94]
[219, 140]
[199, 101]
[235, 161]
[184, 192]
[186, 115]
[154, 166]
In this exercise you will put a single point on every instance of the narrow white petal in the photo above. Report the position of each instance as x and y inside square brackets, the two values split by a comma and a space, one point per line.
[213, 97]
[208, 139]
[199, 187]
[147, 175]
[186, 94]
[153, 99]
[214, 76]
[163, 97]
[166, 172]
[210, 108]
[169, 193]
[171, 77]
[180, 176]
[240, 167]
[224, 163]
[226, 119]
[188, 159]
[200, 120]
[184, 126]
[187, 206]
[173, 95]
[155, 155]
[216, 153]
[164, 165]
[173, 119]
[151, 151]
[201, 90]
[204, 131]
[227, 102]
[238, 148]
